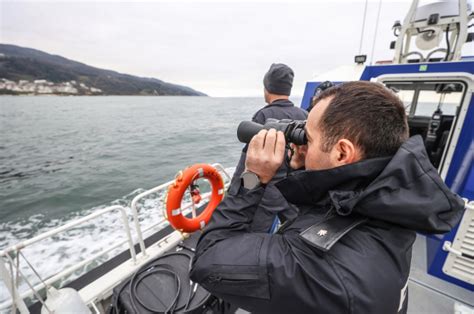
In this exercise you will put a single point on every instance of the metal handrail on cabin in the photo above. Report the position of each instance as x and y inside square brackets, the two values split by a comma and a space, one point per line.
[49, 281]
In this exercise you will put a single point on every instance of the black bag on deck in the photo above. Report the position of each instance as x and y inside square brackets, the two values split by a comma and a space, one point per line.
[163, 286]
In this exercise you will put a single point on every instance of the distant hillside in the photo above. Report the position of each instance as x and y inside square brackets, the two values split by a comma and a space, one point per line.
[18, 63]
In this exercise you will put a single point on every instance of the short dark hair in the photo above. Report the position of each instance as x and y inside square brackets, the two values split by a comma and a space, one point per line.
[368, 114]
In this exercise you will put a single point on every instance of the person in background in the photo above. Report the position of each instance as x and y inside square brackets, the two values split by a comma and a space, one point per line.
[277, 83]
[321, 87]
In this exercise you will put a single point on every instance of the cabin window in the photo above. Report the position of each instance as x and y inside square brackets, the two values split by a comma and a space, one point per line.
[406, 95]
[429, 101]
[431, 108]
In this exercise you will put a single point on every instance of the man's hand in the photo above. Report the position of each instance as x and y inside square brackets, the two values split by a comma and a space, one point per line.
[299, 155]
[265, 154]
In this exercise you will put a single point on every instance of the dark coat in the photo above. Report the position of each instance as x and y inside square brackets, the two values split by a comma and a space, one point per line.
[365, 271]
[272, 202]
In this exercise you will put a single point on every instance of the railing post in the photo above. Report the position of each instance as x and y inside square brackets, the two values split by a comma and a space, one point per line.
[138, 229]
[129, 234]
[8, 280]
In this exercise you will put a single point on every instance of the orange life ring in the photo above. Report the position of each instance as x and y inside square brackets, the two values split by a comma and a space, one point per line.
[176, 192]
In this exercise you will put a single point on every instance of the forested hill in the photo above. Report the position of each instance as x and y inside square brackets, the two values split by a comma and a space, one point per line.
[56, 74]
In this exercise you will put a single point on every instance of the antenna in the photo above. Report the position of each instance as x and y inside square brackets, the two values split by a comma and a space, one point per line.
[376, 31]
[360, 58]
[363, 27]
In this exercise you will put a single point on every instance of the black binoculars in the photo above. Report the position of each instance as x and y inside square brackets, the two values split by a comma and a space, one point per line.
[294, 130]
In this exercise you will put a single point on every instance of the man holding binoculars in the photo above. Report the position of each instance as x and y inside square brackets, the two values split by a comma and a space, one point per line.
[365, 190]
[277, 82]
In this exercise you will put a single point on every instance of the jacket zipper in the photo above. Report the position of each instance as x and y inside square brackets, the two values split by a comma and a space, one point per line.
[232, 278]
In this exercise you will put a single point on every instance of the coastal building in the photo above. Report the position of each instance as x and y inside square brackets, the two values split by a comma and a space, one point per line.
[44, 87]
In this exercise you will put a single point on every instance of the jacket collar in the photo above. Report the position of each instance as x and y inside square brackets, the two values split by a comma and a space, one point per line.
[311, 187]
[281, 103]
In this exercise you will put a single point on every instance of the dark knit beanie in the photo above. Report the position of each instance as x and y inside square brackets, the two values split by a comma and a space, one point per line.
[279, 79]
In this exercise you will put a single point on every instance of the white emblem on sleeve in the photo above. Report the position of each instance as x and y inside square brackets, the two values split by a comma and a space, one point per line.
[322, 232]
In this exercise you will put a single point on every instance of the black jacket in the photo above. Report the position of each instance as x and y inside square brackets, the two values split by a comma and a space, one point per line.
[272, 201]
[365, 271]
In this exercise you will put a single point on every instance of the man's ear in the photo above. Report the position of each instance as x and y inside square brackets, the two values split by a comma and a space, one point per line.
[345, 152]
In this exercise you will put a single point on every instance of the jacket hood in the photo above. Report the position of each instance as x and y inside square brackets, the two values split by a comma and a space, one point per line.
[404, 189]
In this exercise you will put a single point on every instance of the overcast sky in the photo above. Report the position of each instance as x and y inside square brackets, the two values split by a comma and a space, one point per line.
[220, 48]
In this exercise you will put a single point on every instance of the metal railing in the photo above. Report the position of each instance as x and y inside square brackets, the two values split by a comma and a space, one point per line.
[16, 249]
[12, 284]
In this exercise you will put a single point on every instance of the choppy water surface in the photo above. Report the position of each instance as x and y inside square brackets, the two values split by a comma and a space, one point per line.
[65, 157]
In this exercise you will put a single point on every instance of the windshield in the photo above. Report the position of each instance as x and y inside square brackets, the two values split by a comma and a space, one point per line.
[421, 99]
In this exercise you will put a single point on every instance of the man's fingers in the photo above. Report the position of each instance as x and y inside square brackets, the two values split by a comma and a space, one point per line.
[298, 159]
[265, 154]
[280, 145]
[302, 149]
[270, 141]
[257, 141]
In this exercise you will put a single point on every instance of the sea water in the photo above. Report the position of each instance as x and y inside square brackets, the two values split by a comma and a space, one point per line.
[62, 158]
